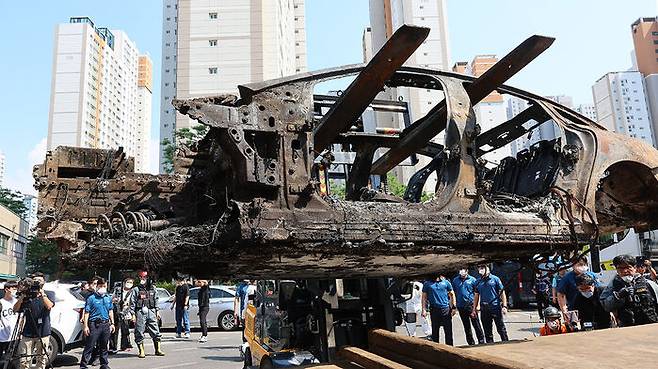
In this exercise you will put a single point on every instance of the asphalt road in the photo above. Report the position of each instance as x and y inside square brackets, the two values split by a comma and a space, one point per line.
[221, 350]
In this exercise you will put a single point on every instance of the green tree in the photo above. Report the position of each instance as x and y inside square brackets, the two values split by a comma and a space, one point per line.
[397, 188]
[337, 189]
[13, 201]
[43, 256]
[184, 137]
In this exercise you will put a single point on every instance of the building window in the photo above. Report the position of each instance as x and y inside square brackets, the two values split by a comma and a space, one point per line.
[18, 249]
[656, 51]
[212, 42]
[212, 15]
[654, 33]
[4, 240]
[212, 70]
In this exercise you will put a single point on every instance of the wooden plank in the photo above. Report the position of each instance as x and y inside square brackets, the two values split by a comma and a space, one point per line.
[602, 349]
[368, 360]
[438, 354]
[408, 360]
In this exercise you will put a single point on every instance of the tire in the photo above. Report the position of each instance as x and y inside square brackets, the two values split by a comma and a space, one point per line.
[266, 363]
[225, 321]
[247, 358]
[53, 349]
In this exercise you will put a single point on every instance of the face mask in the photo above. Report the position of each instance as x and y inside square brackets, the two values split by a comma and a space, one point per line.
[553, 324]
[627, 278]
[463, 273]
[102, 291]
[587, 294]
[142, 281]
[580, 269]
[129, 286]
[482, 271]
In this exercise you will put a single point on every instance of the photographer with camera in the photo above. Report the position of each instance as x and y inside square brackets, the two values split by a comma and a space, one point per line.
[98, 323]
[35, 304]
[630, 296]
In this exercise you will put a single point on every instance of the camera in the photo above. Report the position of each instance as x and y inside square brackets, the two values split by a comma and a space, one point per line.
[28, 288]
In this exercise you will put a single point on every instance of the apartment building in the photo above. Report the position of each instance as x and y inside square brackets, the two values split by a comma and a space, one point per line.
[94, 90]
[13, 242]
[621, 104]
[386, 16]
[210, 47]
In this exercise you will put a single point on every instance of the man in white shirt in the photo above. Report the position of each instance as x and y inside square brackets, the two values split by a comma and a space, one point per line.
[413, 310]
[7, 316]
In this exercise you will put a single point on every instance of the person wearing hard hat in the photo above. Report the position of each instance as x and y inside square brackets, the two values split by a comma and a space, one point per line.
[144, 305]
[553, 323]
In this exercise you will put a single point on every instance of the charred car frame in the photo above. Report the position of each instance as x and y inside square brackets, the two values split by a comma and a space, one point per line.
[250, 198]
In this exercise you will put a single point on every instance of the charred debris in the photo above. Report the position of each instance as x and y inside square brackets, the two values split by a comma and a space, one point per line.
[253, 197]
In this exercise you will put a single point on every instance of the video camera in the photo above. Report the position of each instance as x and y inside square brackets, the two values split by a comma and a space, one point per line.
[28, 288]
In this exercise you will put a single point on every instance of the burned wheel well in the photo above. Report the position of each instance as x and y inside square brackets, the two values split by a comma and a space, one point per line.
[627, 194]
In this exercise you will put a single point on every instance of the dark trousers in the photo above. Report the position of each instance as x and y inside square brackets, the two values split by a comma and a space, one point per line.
[99, 334]
[114, 337]
[542, 303]
[467, 320]
[493, 314]
[4, 350]
[203, 315]
[4, 347]
[441, 317]
[124, 327]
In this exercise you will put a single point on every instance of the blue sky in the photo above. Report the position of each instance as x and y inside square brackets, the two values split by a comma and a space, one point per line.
[593, 37]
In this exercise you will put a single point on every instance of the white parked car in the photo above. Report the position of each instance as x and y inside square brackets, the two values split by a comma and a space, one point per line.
[220, 314]
[65, 319]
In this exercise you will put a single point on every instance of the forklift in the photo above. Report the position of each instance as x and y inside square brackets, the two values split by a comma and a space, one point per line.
[296, 323]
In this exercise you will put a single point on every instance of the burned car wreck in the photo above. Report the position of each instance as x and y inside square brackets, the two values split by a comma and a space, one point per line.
[251, 197]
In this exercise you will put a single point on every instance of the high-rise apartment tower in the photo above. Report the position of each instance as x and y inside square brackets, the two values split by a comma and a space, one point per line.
[210, 47]
[94, 100]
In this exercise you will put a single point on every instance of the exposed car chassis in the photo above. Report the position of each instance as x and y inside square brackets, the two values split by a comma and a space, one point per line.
[250, 198]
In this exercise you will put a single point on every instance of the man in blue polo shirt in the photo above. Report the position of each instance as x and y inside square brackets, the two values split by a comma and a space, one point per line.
[464, 285]
[439, 295]
[98, 324]
[567, 291]
[490, 297]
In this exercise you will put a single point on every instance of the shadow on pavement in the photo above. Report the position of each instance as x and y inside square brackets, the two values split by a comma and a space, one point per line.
[66, 360]
[219, 347]
[223, 358]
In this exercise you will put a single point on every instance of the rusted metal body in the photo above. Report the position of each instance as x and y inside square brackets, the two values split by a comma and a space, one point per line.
[252, 202]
